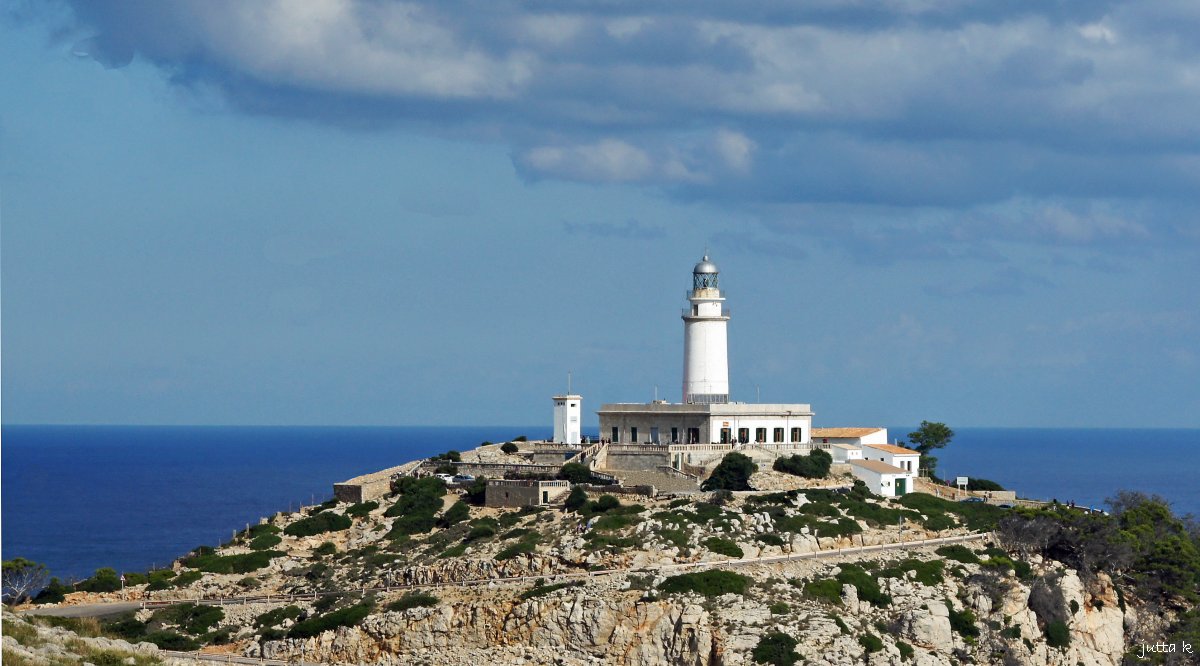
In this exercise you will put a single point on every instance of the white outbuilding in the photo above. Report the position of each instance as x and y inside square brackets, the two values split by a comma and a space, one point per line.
[844, 453]
[896, 456]
[855, 436]
[881, 478]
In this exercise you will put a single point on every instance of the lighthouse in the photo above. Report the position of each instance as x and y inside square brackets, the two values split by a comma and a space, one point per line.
[705, 355]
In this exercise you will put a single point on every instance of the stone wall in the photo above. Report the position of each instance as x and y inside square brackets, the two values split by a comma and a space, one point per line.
[635, 461]
[370, 486]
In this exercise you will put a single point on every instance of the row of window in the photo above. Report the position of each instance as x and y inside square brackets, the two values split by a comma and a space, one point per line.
[693, 435]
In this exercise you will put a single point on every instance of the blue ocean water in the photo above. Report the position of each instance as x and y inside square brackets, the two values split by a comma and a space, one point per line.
[82, 497]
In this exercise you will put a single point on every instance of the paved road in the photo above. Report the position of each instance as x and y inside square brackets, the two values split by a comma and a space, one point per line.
[116, 608]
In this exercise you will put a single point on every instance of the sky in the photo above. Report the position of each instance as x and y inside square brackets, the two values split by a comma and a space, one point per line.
[369, 213]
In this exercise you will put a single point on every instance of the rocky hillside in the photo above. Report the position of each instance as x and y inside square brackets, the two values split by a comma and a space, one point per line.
[428, 576]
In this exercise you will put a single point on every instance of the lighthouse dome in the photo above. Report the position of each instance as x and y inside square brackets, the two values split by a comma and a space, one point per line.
[705, 266]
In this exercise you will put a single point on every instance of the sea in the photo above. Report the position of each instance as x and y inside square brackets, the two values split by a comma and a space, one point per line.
[77, 498]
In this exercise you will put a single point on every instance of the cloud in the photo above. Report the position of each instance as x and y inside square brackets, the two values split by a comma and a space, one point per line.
[630, 229]
[903, 106]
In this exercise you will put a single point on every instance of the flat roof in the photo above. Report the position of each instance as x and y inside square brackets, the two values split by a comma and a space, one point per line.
[720, 409]
[878, 467]
[897, 450]
[844, 432]
[847, 447]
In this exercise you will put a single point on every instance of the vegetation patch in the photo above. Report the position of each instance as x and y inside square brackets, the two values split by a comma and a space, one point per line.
[732, 473]
[823, 589]
[724, 547]
[864, 583]
[362, 509]
[958, 553]
[413, 600]
[870, 642]
[192, 618]
[776, 648]
[457, 513]
[711, 583]
[265, 542]
[244, 563]
[815, 465]
[526, 545]
[326, 521]
[926, 573]
[963, 622]
[187, 578]
[274, 616]
[345, 617]
[543, 590]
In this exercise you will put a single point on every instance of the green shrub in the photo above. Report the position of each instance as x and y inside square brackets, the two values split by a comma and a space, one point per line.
[453, 551]
[612, 522]
[870, 642]
[476, 493]
[820, 509]
[526, 545]
[457, 513]
[938, 522]
[263, 528]
[926, 573]
[480, 532]
[769, 539]
[265, 542]
[244, 563]
[450, 456]
[187, 578]
[1058, 635]
[732, 473]
[864, 583]
[825, 589]
[104, 579]
[54, 592]
[362, 509]
[575, 473]
[418, 523]
[542, 590]
[345, 617]
[906, 650]
[517, 533]
[413, 600]
[677, 538]
[325, 549]
[962, 622]
[1011, 632]
[723, 547]
[576, 499]
[775, 648]
[779, 608]
[983, 484]
[134, 578]
[323, 522]
[192, 618]
[169, 640]
[710, 583]
[277, 615]
[509, 447]
[422, 495]
[815, 465]
[958, 553]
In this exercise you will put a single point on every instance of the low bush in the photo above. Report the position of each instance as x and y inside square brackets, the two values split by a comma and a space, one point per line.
[186, 578]
[1058, 635]
[958, 553]
[277, 615]
[362, 509]
[962, 622]
[769, 539]
[820, 509]
[906, 650]
[244, 563]
[325, 549]
[192, 618]
[576, 499]
[824, 589]
[926, 572]
[449, 456]
[870, 642]
[711, 583]
[864, 583]
[265, 542]
[263, 528]
[169, 640]
[406, 526]
[815, 465]
[779, 608]
[775, 648]
[526, 545]
[345, 617]
[103, 580]
[480, 532]
[54, 592]
[457, 513]
[983, 484]
[323, 522]
[542, 590]
[510, 448]
[723, 547]
[453, 551]
[732, 473]
[413, 600]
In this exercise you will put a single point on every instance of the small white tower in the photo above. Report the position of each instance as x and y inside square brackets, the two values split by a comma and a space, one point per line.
[705, 356]
[567, 409]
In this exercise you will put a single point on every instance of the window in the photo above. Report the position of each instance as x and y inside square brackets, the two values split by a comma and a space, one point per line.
[760, 434]
[574, 405]
[778, 435]
[744, 435]
[654, 434]
[633, 435]
[616, 433]
[725, 435]
[674, 435]
[797, 434]
[693, 435]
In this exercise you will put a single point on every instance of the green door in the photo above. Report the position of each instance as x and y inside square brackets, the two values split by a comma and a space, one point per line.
[900, 486]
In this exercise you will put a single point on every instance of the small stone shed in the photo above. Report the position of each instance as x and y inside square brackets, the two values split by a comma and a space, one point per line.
[503, 492]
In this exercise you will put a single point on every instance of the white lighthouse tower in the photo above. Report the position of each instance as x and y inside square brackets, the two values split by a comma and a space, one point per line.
[705, 357]
[567, 409]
